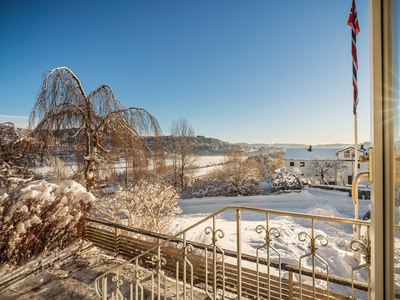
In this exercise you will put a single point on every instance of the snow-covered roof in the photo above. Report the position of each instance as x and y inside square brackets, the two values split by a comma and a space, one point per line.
[350, 147]
[303, 153]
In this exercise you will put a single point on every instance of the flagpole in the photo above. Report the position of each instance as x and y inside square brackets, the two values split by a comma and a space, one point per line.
[356, 228]
[355, 166]
[355, 29]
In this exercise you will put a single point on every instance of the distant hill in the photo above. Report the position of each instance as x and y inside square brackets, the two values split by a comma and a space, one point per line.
[215, 146]
[276, 145]
[288, 145]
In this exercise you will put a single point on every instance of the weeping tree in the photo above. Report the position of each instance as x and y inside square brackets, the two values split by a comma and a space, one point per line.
[67, 120]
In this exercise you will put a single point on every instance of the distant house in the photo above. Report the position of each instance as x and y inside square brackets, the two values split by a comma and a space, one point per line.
[298, 160]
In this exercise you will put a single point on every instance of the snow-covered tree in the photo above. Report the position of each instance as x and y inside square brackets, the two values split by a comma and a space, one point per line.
[287, 181]
[13, 149]
[240, 175]
[98, 120]
[39, 217]
[275, 163]
[322, 167]
[148, 206]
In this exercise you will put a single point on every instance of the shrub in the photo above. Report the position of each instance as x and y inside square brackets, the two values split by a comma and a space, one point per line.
[287, 181]
[39, 217]
[145, 206]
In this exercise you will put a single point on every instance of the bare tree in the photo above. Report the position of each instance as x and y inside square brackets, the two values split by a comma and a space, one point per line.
[275, 163]
[99, 120]
[270, 164]
[322, 167]
[184, 150]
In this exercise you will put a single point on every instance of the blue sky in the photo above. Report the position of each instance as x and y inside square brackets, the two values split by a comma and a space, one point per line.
[243, 71]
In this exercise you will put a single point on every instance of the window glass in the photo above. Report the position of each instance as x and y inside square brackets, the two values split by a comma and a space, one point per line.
[396, 118]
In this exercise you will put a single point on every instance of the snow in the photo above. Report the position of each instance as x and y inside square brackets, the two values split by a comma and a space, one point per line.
[40, 212]
[70, 274]
[202, 171]
[311, 201]
[201, 161]
[204, 161]
[303, 153]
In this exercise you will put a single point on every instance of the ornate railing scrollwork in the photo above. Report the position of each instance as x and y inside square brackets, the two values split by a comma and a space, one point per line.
[116, 293]
[137, 274]
[313, 253]
[159, 262]
[215, 235]
[187, 249]
[276, 233]
[366, 245]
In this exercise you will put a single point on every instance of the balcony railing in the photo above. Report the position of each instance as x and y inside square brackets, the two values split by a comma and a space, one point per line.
[176, 268]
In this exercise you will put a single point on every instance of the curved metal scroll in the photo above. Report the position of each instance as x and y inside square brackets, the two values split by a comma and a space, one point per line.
[276, 233]
[313, 249]
[216, 234]
[367, 248]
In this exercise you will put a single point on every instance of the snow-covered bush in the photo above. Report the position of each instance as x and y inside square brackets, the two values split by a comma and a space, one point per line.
[14, 147]
[41, 216]
[210, 187]
[287, 181]
[145, 206]
[238, 176]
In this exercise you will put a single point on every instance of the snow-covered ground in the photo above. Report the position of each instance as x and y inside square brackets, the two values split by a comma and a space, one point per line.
[201, 161]
[311, 201]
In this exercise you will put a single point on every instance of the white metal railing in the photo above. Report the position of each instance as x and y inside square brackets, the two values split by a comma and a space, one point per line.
[173, 262]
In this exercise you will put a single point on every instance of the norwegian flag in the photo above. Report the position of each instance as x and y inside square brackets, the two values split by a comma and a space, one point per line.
[355, 29]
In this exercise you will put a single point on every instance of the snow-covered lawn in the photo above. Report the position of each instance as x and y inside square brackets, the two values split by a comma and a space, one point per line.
[310, 201]
[201, 161]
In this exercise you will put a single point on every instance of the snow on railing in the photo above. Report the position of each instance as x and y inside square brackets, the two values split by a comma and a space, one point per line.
[177, 267]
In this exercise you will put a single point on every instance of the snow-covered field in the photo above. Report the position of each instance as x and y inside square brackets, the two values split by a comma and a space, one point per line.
[311, 201]
[201, 161]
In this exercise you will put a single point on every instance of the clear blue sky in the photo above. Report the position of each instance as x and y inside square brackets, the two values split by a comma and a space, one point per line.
[243, 71]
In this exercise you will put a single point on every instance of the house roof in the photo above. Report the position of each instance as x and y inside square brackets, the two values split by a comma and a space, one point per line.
[350, 147]
[303, 153]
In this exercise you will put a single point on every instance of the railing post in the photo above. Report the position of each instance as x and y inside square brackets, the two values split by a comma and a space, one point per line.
[104, 288]
[290, 285]
[239, 254]
[116, 241]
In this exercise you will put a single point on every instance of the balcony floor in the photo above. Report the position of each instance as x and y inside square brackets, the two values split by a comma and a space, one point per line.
[73, 278]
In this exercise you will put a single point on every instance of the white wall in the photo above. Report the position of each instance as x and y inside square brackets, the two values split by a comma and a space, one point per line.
[341, 177]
